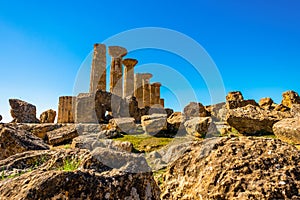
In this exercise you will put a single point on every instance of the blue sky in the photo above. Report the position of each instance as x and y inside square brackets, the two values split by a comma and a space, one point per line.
[254, 44]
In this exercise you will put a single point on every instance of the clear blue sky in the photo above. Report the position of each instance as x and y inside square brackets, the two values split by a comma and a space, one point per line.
[255, 44]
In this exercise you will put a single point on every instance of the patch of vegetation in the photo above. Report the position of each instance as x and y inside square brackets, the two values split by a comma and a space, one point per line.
[145, 143]
[271, 136]
[67, 146]
[3, 177]
[70, 164]
[158, 176]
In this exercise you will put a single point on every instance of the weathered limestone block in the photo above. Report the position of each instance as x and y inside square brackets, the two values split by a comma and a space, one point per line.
[252, 120]
[102, 174]
[98, 71]
[217, 111]
[116, 73]
[91, 142]
[176, 122]
[234, 96]
[138, 89]
[85, 108]
[200, 126]
[48, 116]
[266, 103]
[194, 109]
[129, 64]
[22, 112]
[125, 125]
[289, 98]
[288, 130]
[14, 140]
[41, 130]
[62, 135]
[66, 109]
[153, 124]
[146, 88]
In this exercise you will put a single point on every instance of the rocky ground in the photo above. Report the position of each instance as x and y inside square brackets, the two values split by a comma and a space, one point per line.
[238, 149]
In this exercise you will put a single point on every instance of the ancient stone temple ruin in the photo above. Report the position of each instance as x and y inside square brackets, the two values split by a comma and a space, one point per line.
[130, 94]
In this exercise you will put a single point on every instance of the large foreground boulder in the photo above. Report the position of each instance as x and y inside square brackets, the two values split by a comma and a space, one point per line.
[77, 174]
[22, 112]
[14, 140]
[123, 124]
[251, 120]
[288, 130]
[234, 168]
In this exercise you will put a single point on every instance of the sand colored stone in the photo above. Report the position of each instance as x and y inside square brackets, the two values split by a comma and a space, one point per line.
[116, 73]
[146, 88]
[98, 71]
[129, 64]
[66, 109]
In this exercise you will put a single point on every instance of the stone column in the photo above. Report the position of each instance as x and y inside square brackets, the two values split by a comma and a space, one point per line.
[116, 72]
[162, 102]
[146, 88]
[155, 93]
[66, 109]
[129, 76]
[138, 89]
[98, 71]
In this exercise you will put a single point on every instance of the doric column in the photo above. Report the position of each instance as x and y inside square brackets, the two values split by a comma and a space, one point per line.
[66, 109]
[138, 89]
[129, 76]
[116, 72]
[146, 88]
[162, 102]
[155, 93]
[98, 71]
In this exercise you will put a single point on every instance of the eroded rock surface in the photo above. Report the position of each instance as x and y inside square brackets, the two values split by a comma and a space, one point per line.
[194, 109]
[14, 140]
[62, 135]
[254, 120]
[153, 124]
[288, 130]
[200, 126]
[22, 112]
[48, 116]
[289, 98]
[44, 177]
[234, 168]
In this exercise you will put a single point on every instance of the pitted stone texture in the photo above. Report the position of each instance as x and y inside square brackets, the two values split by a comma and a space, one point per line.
[266, 103]
[62, 135]
[97, 176]
[200, 127]
[154, 124]
[288, 130]
[289, 98]
[98, 71]
[124, 124]
[14, 140]
[252, 120]
[234, 168]
[22, 112]
[236, 100]
[48, 116]
[194, 109]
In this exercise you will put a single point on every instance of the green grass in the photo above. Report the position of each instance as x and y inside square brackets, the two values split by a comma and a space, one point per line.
[145, 143]
[158, 176]
[70, 164]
